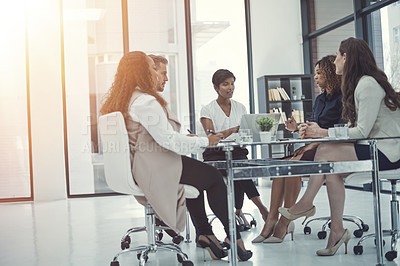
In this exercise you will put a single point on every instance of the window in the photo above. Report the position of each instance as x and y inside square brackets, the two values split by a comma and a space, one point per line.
[219, 41]
[327, 11]
[157, 27]
[390, 42]
[93, 47]
[15, 180]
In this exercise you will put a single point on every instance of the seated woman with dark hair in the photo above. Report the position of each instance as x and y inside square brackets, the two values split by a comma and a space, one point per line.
[372, 108]
[223, 116]
[327, 112]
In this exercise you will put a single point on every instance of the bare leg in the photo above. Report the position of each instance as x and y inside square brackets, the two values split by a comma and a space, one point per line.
[277, 192]
[326, 152]
[335, 185]
[239, 213]
[292, 190]
[306, 201]
[261, 207]
[336, 195]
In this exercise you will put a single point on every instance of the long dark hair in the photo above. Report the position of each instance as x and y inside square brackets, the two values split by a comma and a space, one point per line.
[133, 72]
[359, 62]
[328, 69]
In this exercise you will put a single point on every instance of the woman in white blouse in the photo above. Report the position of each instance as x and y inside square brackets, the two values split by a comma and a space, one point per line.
[223, 116]
[159, 166]
[372, 108]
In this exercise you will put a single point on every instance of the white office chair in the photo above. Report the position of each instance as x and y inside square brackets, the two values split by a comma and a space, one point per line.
[117, 168]
[388, 175]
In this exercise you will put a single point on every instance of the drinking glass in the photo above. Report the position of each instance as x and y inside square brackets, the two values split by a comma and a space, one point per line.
[341, 131]
[245, 136]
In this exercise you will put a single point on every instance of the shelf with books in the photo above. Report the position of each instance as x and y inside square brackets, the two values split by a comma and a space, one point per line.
[286, 94]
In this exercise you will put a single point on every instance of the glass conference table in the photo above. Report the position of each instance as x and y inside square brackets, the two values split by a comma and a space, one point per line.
[270, 168]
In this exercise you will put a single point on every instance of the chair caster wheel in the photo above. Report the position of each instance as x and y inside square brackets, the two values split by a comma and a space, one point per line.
[139, 257]
[358, 250]
[391, 255]
[322, 234]
[307, 230]
[114, 263]
[253, 223]
[125, 242]
[124, 245]
[177, 239]
[358, 233]
[365, 227]
[180, 258]
[160, 236]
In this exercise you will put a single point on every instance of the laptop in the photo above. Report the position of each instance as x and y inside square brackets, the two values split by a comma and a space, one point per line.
[248, 121]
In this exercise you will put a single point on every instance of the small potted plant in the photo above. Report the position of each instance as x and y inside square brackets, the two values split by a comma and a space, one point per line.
[294, 96]
[265, 124]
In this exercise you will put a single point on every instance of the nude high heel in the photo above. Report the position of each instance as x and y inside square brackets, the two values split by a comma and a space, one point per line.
[260, 238]
[285, 212]
[332, 251]
[274, 239]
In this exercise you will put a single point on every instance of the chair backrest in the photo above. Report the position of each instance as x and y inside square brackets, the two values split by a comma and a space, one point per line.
[116, 154]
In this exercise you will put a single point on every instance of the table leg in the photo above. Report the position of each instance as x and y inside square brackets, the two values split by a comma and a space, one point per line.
[231, 213]
[377, 202]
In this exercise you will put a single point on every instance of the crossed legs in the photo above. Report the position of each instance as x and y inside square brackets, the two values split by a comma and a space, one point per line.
[334, 184]
[283, 191]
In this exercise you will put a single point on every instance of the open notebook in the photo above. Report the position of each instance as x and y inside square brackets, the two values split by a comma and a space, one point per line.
[248, 121]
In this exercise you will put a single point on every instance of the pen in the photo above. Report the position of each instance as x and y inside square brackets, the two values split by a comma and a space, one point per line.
[190, 132]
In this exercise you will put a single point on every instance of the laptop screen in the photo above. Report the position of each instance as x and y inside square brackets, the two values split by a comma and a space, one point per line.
[248, 121]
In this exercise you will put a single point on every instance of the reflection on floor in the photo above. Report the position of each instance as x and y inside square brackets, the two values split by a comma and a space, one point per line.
[87, 232]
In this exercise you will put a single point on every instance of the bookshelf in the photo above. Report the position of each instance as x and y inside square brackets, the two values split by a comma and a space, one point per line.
[275, 94]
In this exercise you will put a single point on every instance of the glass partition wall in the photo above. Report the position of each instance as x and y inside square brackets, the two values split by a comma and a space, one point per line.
[15, 168]
[219, 42]
[94, 44]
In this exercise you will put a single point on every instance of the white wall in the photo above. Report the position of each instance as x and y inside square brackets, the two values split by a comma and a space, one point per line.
[46, 100]
[276, 38]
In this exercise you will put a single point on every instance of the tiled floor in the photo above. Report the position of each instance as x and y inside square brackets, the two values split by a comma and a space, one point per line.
[87, 231]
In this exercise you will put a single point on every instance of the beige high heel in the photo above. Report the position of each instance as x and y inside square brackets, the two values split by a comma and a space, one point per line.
[274, 239]
[332, 251]
[285, 212]
[260, 238]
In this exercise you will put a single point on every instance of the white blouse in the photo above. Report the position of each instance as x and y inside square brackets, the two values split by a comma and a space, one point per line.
[222, 122]
[147, 111]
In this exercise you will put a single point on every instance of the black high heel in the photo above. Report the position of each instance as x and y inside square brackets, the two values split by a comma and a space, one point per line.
[242, 255]
[215, 252]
